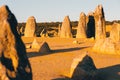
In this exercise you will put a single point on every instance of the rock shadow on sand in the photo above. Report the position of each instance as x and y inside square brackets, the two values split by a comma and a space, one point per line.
[108, 73]
[35, 54]
[62, 79]
[67, 50]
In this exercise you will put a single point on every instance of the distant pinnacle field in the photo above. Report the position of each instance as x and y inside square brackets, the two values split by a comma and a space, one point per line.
[89, 50]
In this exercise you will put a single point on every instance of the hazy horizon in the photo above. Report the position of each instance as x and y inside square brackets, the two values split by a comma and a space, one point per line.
[56, 10]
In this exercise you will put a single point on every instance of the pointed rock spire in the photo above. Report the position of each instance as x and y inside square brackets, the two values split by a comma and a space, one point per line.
[12, 50]
[81, 30]
[30, 27]
[100, 31]
[66, 28]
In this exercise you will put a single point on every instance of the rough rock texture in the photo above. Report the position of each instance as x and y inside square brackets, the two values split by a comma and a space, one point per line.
[98, 44]
[107, 46]
[66, 28]
[59, 29]
[30, 27]
[44, 48]
[82, 67]
[115, 32]
[90, 22]
[3, 75]
[35, 44]
[12, 50]
[81, 30]
[100, 31]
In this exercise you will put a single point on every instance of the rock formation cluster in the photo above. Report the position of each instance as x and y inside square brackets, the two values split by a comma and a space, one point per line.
[109, 45]
[14, 64]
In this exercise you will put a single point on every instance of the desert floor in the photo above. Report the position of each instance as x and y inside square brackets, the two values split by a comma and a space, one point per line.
[56, 64]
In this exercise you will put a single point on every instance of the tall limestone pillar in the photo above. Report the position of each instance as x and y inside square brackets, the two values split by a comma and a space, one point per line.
[100, 31]
[66, 29]
[12, 50]
[30, 27]
[81, 29]
[115, 32]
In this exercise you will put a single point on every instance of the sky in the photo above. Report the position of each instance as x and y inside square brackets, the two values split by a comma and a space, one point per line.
[56, 10]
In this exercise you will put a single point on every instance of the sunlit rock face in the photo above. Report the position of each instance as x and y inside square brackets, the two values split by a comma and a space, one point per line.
[66, 28]
[107, 46]
[90, 23]
[81, 30]
[12, 50]
[35, 44]
[100, 32]
[30, 27]
[115, 32]
[3, 75]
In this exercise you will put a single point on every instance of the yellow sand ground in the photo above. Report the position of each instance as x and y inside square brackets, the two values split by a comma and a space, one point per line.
[51, 66]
